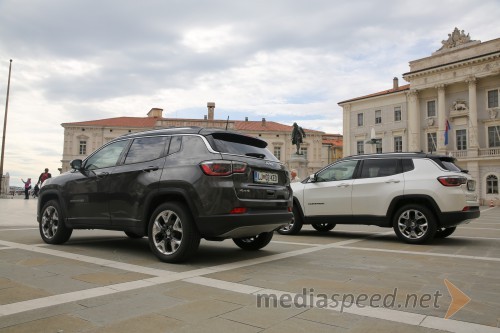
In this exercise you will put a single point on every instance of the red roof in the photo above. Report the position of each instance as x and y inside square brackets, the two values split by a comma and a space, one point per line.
[267, 126]
[149, 122]
[146, 122]
[380, 93]
[337, 142]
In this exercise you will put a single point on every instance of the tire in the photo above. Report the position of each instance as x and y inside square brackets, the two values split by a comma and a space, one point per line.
[172, 235]
[323, 227]
[255, 242]
[132, 235]
[414, 224]
[293, 227]
[52, 227]
[445, 232]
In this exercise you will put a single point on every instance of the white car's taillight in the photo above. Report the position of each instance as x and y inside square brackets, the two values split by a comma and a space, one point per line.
[452, 180]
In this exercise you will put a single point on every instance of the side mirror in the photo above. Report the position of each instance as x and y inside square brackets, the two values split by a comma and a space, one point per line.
[312, 178]
[76, 164]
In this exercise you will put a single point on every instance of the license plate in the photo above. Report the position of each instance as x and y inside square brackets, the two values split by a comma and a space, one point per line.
[265, 177]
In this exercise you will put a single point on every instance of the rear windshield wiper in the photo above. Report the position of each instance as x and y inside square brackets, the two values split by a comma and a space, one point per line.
[255, 155]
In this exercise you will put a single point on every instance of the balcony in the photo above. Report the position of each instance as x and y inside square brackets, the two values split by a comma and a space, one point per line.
[482, 153]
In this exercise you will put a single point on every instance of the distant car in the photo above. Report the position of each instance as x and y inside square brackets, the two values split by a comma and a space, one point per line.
[175, 186]
[421, 196]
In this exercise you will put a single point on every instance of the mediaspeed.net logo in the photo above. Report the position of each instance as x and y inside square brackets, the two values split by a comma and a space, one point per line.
[345, 301]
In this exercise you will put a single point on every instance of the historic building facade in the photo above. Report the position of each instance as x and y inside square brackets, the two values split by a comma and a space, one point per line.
[319, 149]
[450, 106]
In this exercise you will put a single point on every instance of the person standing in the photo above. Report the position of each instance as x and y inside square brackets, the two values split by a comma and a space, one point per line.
[27, 188]
[294, 178]
[43, 176]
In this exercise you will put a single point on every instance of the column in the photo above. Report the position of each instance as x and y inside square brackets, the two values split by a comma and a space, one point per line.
[472, 132]
[413, 121]
[346, 129]
[441, 109]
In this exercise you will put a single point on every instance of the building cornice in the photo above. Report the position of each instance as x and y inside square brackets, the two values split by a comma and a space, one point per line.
[452, 65]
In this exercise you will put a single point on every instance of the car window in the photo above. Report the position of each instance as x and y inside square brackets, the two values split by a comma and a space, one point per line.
[106, 157]
[339, 171]
[448, 164]
[146, 149]
[175, 144]
[379, 168]
[231, 143]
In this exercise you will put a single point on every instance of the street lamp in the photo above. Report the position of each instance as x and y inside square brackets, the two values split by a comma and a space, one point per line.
[5, 128]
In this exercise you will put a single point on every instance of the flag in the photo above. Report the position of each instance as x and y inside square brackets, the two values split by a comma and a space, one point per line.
[447, 128]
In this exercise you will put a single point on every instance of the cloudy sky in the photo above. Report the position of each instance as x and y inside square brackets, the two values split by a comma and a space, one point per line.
[294, 60]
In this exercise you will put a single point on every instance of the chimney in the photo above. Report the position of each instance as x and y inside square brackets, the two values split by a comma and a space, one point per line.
[395, 83]
[246, 118]
[211, 108]
[263, 121]
[155, 113]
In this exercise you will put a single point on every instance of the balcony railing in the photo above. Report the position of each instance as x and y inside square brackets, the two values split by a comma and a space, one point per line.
[489, 152]
[483, 152]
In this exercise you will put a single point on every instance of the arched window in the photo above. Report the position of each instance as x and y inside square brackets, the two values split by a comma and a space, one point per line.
[492, 184]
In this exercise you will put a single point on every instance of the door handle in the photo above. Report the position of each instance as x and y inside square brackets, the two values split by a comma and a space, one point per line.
[102, 175]
[392, 181]
[150, 168]
[343, 185]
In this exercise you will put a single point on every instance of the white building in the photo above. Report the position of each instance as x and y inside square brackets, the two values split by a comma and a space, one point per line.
[457, 87]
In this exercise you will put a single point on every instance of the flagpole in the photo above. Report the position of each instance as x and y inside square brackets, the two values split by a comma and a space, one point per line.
[5, 129]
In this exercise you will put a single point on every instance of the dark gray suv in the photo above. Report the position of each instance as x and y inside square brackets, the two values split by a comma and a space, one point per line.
[175, 186]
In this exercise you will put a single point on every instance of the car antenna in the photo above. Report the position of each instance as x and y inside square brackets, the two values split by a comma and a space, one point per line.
[227, 122]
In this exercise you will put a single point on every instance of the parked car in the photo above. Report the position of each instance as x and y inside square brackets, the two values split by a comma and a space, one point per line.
[175, 186]
[421, 196]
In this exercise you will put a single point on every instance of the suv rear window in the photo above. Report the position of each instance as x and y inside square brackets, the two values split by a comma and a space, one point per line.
[448, 163]
[231, 143]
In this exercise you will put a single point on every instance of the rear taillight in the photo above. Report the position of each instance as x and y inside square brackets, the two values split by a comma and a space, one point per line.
[222, 168]
[452, 180]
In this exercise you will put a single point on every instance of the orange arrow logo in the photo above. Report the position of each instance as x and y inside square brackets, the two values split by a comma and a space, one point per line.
[458, 299]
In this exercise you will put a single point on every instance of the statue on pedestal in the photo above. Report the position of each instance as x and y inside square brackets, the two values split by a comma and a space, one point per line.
[297, 135]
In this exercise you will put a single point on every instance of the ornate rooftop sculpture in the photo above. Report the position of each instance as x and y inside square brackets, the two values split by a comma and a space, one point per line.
[455, 39]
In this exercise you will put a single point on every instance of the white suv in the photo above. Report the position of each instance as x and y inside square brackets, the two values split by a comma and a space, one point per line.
[421, 196]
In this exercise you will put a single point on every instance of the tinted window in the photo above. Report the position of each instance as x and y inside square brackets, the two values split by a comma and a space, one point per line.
[379, 168]
[107, 156]
[407, 165]
[146, 149]
[339, 171]
[175, 144]
[241, 145]
[448, 164]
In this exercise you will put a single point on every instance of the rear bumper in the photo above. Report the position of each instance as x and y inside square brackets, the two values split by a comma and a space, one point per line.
[243, 225]
[452, 219]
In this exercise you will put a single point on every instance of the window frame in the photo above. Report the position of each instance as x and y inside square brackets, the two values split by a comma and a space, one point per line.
[431, 102]
[496, 136]
[277, 152]
[400, 141]
[397, 111]
[82, 148]
[432, 135]
[378, 117]
[461, 140]
[491, 185]
[488, 105]
[360, 119]
[360, 144]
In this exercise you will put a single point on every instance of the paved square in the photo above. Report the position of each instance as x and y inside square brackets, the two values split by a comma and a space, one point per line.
[101, 281]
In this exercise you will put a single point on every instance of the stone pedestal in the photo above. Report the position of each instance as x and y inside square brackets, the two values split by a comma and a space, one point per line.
[299, 163]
